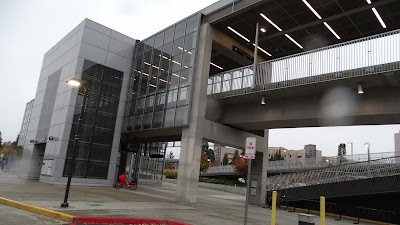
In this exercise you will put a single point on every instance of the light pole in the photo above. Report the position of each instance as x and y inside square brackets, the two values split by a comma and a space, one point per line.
[366, 144]
[76, 83]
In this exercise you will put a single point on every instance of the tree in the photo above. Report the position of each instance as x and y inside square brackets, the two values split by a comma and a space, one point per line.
[210, 153]
[225, 161]
[342, 152]
[8, 149]
[342, 149]
[204, 163]
[215, 163]
[17, 148]
[277, 156]
[12, 148]
[235, 157]
[169, 166]
[171, 155]
[241, 167]
[1, 140]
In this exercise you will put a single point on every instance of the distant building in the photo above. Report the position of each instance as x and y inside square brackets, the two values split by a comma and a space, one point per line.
[397, 144]
[287, 154]
[217, 153]
[294, 154]
[230, 152]
[310, 151]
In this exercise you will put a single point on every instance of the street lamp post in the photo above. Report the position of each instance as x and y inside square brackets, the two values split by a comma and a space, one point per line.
[75, 82]
[366, 144]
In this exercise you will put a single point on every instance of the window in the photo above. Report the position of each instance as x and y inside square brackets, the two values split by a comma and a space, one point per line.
[97, 131]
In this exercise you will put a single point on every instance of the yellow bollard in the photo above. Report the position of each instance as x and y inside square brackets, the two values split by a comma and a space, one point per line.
[273, 213]
[322, 210]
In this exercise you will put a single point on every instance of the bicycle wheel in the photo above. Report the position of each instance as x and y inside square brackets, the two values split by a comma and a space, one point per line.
[133, 187]
[118, 185]
[283, 203]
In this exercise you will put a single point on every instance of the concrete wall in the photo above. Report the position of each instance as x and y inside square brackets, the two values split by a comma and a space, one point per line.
[218, 187]
[90, 41]
[306, 111]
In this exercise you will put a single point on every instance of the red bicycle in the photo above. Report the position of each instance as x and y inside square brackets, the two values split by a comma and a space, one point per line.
[132, 185]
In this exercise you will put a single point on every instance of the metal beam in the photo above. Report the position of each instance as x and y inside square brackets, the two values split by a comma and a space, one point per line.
[231, 10]
[231, 54]
[347, 13]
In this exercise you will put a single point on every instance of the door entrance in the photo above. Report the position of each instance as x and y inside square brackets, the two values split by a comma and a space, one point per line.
[148, 163]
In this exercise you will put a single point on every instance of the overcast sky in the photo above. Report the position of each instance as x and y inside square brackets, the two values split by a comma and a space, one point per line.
[30, 28]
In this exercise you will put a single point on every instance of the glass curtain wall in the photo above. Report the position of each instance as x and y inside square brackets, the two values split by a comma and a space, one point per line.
[97, 130]
[161, 77]
[151, 162]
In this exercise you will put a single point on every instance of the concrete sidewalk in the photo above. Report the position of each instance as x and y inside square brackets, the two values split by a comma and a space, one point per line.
[213, 207]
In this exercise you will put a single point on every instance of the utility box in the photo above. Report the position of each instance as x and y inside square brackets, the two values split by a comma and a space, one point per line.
[306, 219]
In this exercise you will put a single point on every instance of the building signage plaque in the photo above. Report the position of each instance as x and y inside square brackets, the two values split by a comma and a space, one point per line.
[242, 53]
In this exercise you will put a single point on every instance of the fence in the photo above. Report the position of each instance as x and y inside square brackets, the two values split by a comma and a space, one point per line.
[369, 55]
[299, 165]
[351, 171]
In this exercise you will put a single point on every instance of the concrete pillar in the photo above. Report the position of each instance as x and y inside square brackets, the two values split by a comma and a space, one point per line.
[192, 136]
[258, 177]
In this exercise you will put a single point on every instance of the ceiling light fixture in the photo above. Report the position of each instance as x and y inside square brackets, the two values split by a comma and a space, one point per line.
[263, 30]
[369, 1]
[261, 49]
[332, 31]
[290, 38]
[239, 34]
[270, 21]
[312, 9]
[262, 100]
[216, 66]
[360, 89]
[379, 17]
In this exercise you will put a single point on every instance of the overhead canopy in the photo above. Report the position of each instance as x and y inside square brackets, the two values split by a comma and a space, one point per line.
[349, 19]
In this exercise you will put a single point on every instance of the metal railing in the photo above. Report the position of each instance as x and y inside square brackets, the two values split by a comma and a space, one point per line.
[325, 161]
[349, 171]
[298, 165]
[369, 55]
[377, 215]
[221, 170]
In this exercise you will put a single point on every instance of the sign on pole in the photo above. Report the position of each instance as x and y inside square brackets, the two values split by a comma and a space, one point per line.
[249, 154]
[250, 151]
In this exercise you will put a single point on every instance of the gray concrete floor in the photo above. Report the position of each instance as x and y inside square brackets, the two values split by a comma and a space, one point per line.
[149, 201]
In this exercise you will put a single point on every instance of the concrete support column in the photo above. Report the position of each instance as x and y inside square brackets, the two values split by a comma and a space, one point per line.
[259, 172]
[192, 136]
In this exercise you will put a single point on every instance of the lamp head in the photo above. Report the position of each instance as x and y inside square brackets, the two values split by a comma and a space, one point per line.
[262, 100]
[75, 82]
[360, 89]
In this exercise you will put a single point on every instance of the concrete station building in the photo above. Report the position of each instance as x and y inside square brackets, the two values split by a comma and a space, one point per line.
[143, 94]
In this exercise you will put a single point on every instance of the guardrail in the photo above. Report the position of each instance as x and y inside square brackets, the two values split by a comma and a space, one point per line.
[351, 171]
[300, 165]
[329, 206]
[369, 55]
[377, 214]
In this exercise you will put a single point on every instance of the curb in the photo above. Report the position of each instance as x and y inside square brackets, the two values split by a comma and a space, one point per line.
[38, 210]
[82, 219]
